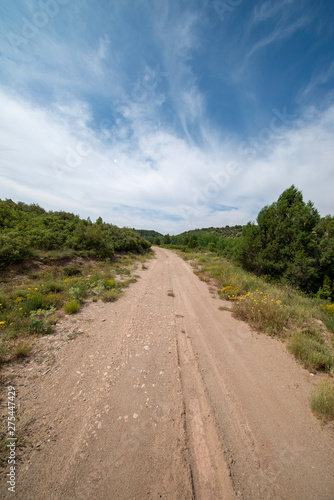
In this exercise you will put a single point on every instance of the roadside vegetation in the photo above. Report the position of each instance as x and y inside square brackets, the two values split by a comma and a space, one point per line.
[50, 263]
[304, 323]
[34, 297]
[279, 276]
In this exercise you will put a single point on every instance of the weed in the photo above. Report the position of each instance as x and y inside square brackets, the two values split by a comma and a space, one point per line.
[109, 283]
[54, 287]
[40, 327]
[32, 302]
[78, 292]
[328, 315]
[72, 307]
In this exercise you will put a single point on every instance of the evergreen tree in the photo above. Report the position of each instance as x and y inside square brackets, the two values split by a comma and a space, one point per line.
[167, 240]
[283, 244]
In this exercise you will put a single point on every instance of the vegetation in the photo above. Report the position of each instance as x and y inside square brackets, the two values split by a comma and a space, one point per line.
[304, 322]
[150, 235]
[28, 231]
[33, 299]
[322, 400]
[222, 240]
[50, 263]
[72, 306]
[291, 244]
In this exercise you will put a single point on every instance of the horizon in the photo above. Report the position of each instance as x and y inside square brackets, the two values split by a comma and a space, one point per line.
[166, 116]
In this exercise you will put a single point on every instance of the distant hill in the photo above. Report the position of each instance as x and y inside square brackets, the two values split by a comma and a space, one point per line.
[149, 234]
[227, 231]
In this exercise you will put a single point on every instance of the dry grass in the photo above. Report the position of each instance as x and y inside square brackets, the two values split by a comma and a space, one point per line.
[322, 400]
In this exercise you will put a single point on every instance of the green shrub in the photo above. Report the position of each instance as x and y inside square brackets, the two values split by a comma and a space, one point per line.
[78, 292]
[72, 307]
[40, 327]
[33, 301]
[109, 283]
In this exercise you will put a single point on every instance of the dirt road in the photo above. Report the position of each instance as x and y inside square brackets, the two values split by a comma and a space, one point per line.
[163, 395]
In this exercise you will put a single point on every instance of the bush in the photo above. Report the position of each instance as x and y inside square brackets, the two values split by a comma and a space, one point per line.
[72, 307]
[33, 302]
[229, 292]
[109, 283]
[40, 327]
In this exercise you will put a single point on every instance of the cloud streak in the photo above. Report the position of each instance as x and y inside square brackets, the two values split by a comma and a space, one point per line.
[126, 118]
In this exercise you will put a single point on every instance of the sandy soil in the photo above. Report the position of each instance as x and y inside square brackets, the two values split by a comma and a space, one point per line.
[162, 396]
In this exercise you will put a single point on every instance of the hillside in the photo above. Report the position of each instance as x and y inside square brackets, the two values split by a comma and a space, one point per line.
[28, 230]
[149, 234]
[227, 231]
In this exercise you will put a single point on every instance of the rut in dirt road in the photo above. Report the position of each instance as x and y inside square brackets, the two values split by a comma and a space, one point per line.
[166, 396]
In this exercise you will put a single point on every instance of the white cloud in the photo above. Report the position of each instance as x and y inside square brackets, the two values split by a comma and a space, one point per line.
[151, 178]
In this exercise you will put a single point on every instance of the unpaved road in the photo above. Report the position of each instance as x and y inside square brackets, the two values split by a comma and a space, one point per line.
[169, 397]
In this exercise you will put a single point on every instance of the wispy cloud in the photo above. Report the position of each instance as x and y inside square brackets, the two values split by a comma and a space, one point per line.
[269, 9]
[125, 178]
[282, 31]
[124, 110]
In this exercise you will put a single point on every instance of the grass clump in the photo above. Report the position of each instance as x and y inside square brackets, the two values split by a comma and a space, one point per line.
[328, 316]
[22, 349]
[111, 295]
[71, 307]
[322, 400]
[311, 352]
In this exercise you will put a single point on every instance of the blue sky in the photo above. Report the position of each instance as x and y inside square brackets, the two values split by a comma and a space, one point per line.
[166, 115]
